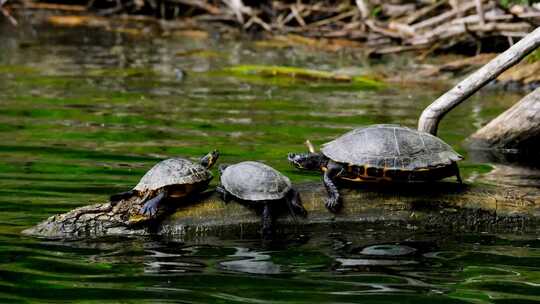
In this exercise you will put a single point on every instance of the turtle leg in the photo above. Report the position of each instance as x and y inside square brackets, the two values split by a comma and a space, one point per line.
[115, 198]
[333, 202]
[150, 207]
[458, 176]
[222, 168]
[295, 204]
[267, 222]
[225, 196]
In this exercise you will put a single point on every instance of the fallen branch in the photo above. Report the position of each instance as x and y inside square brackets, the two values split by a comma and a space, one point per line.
[439, 19]
[432, 115]
[386, 27]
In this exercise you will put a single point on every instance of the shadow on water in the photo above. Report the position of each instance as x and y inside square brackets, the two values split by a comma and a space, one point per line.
[84, 113]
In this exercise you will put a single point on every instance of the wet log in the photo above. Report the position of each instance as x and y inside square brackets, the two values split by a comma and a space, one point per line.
[517, 128]
[433, 114]
[444, 206]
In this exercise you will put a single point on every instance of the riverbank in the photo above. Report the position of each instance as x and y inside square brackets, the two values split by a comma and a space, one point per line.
[432, 63]
[425, 27]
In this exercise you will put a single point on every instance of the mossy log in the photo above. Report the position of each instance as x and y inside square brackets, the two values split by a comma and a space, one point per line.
[442, 206]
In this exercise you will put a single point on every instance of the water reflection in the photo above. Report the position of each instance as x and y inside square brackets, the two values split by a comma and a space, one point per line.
[388, 250]
[251, 262]
[373, 262]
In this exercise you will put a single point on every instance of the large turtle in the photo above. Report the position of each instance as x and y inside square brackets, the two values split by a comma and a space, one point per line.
[173, 177]
[259, 185]
[380, 152]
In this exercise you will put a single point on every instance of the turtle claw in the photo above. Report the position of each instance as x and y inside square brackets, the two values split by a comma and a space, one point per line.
[148, 210]
[151, 206]
[332, 204]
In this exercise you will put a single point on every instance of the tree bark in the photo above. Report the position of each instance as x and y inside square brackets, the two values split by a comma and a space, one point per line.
[433, 114]
[516, 128]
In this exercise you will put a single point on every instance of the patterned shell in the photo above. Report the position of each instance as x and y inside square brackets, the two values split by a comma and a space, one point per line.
[173, 171]
[390, 147]
[254, 181]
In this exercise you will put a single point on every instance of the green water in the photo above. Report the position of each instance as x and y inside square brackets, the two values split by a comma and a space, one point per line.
[84, 113]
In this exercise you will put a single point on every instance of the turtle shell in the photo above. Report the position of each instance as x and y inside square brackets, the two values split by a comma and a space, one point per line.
[173, 171]
[254, 181]
[390, 147]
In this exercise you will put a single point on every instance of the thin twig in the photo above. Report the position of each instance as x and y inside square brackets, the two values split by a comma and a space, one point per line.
[480, 10]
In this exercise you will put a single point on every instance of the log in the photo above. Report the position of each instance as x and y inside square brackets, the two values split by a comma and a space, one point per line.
[432, 115]
[444, 206]
[518, 128]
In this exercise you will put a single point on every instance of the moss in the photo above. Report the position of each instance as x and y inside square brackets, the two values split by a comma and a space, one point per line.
[122, 72]
[290, 76]
[533, 57]
[17, 69]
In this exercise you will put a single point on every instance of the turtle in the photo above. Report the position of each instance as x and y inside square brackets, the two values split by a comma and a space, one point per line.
[259, 185]
[174, 177]
[382, 152]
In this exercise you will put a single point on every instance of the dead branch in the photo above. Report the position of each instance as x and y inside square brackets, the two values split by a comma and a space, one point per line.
[432, 115]
[396, 26]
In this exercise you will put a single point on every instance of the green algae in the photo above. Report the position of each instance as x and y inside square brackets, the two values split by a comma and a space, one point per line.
[533, 57]
[18, 70]
[291, 76]
[122, 72]
[201, 53]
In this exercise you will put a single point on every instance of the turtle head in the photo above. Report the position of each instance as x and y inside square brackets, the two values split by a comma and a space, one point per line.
[209, 159]
[308, 161]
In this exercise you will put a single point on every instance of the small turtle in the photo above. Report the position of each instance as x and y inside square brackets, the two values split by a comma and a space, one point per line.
[380, 152]
[173, 177]
[259, 185]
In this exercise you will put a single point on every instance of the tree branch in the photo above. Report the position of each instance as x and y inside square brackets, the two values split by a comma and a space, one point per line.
[433, 114]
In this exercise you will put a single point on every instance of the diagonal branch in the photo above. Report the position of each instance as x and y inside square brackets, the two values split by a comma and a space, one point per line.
[433, 114]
